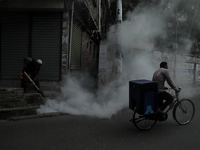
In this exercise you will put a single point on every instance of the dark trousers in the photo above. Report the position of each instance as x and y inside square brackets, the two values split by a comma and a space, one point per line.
[164, 96]
[31, 72]
[25, 86]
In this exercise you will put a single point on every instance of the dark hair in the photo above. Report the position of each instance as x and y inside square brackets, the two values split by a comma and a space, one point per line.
[163, 64]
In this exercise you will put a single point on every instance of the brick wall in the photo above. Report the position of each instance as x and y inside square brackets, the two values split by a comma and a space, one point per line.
[89, 55]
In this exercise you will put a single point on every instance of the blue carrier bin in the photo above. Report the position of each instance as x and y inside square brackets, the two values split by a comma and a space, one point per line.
[144, 95]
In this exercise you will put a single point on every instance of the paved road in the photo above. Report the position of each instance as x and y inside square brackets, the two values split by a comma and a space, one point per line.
[70, 132]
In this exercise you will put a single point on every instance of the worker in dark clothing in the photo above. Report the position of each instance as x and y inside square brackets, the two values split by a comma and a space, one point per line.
[32, 68]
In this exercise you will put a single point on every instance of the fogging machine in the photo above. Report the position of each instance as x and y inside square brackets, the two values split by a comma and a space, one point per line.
[27, 79]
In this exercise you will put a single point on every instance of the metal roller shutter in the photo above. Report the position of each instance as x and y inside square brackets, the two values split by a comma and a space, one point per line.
[46, 44]
[75, 59]
[14, 43]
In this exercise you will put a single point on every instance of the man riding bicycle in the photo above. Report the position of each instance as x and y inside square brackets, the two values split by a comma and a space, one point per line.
[160, 76]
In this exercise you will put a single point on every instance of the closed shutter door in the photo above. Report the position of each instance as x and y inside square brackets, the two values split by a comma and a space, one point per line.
[75, 60]
[46, 44]
[14, 43]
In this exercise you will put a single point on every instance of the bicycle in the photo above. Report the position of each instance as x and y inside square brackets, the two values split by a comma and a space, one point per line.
[183, 113]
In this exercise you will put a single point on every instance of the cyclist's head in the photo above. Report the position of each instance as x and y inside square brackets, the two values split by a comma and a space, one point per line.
[163, 65]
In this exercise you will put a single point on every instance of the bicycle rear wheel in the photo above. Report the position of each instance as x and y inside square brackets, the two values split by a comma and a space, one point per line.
[144, 122]
[184, 111]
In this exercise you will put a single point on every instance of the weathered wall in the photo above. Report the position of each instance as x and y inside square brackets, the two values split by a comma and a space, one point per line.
[187, 66]
[93, 10]
[89, 55]
[85, 55]
[65, 42]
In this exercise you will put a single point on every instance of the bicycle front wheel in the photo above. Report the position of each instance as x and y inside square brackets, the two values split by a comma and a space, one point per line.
[184, 111]
[144, 122]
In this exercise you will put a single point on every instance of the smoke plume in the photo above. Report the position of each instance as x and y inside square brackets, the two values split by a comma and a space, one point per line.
[139, 32]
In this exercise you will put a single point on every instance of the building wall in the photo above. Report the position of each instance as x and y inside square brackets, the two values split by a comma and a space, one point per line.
[89, 56]
[93, 10]
[187, 70]
[92, 35]
[85, 56]
[44, 6]
[65, 42]
[104, 18]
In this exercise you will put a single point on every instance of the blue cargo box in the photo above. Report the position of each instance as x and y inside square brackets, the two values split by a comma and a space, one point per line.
[143, 94]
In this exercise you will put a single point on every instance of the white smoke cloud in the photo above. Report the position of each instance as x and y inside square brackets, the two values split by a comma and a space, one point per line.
[74, 99]
[136, 33]
[140, 29]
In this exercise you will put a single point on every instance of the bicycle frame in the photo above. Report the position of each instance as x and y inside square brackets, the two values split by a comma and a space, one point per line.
[176, 100]
[147, 121]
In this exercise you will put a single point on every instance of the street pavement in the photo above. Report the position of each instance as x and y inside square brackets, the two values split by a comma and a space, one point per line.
[71, 132]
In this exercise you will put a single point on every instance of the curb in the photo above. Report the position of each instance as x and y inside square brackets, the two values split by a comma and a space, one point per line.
[54, 114]
[19, 108]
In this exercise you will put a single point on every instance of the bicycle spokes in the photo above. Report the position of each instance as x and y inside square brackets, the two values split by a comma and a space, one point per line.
[182, 107]
[143, 122]
[183, 111]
